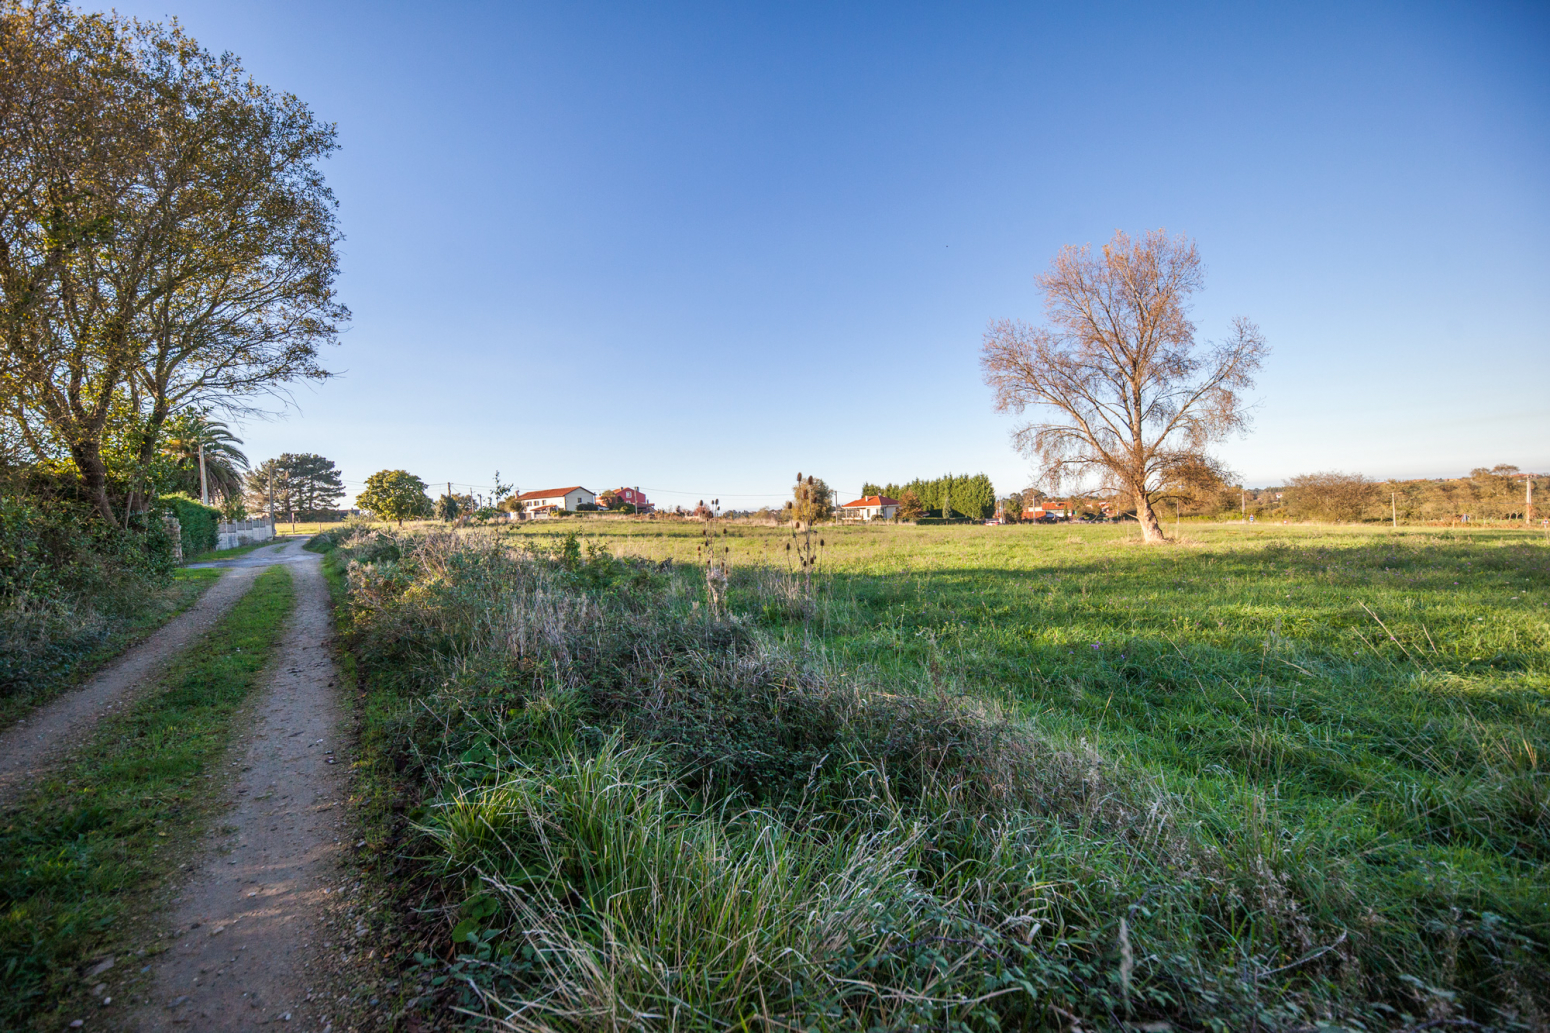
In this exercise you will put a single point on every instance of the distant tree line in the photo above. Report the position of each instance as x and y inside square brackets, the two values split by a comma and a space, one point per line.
[946, 496]
[1495, 493]
[1488, 493]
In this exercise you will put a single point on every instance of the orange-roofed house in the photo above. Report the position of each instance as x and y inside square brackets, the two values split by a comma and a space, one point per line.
[871, 507]
[550, 500]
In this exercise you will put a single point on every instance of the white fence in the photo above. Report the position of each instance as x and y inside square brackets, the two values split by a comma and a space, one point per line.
[242, 532]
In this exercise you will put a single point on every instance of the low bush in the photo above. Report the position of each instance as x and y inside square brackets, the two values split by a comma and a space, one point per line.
[68, 583]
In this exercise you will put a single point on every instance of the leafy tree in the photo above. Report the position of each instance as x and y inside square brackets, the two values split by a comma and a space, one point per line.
[966, 496]
[1131, 396]
[1330, 496]
[1200, 487]
[314, 484]
[268, 485]
[168, 238]
[450, 507]
[304, 485]
[395, 495]
[910, 507]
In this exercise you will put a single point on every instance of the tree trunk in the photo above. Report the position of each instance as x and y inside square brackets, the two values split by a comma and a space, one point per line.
[94, 472]
[1151, 530]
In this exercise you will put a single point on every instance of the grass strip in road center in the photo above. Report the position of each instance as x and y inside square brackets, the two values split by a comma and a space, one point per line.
[86, 848]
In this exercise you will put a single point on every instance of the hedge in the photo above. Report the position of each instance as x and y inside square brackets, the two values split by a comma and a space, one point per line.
[197, 520]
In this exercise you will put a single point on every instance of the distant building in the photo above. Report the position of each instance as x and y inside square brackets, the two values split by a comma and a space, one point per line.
[871, 507]
[552, 500]
[634, 497]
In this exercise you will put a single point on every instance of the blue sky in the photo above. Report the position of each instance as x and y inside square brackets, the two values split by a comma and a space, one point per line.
[698, 248]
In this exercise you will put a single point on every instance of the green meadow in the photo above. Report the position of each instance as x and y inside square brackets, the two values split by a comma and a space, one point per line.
[1344, 730]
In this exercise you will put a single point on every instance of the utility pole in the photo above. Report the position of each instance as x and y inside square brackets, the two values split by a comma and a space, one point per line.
[204, 483]
[1528, 501]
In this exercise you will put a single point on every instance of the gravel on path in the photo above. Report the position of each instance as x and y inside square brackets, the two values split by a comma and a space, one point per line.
[44, 737]
[248, 923]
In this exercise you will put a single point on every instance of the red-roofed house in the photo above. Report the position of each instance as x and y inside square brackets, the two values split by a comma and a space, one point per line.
[871, 507]
[546, 502]
[634, 497]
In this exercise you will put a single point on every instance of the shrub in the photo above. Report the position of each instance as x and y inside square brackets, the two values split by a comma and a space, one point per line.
[68, 582]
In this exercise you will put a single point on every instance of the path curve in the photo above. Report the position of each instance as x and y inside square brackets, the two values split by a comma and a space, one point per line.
[249, 919]
[48, 734]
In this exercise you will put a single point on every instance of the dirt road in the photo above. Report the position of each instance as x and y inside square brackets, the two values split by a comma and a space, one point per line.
[249, 919]
[43, 737]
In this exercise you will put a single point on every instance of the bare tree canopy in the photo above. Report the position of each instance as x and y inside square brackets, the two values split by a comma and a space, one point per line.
[1136, 399]
[166, 237]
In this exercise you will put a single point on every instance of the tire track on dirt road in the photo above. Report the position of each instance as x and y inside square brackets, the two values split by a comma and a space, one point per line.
[48, 734]
[248, 923]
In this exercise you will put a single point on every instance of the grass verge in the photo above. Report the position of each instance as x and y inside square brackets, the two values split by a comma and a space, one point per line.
[88, 846]
[72, 668]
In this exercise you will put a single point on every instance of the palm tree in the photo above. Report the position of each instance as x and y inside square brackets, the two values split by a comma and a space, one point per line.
[205, 454]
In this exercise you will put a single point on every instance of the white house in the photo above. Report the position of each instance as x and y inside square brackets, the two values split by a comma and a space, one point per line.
[550, 500]
[871, 507]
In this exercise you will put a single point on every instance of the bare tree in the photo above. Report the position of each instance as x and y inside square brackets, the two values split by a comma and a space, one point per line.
[1135, 398]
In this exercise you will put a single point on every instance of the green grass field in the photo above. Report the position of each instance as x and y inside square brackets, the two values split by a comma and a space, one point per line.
[1336, 671]
[1354, 720]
